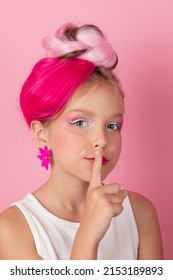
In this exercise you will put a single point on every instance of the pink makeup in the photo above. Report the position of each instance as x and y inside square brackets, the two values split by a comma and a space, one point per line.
[87, 121]
[120, 123]
[74, 118]
[104, 160]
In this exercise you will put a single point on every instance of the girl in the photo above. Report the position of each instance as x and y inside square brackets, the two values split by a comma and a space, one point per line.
[74, 105]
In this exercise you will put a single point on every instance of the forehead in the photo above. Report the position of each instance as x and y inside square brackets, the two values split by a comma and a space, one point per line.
[95, 97]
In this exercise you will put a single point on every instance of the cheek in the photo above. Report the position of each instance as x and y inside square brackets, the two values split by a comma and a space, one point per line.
[67, 143]
[116, 148]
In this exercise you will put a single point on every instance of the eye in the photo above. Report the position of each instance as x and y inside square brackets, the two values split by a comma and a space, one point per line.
[114, 126]
[79, 122]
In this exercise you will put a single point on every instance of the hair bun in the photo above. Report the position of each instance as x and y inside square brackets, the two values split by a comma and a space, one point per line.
[100, 52]
[58, 45]
[87, 38]
[61, 30]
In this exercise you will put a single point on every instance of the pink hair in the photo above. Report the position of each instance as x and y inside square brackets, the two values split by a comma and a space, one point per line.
[50, 86]
[75, 55]
[98, 50]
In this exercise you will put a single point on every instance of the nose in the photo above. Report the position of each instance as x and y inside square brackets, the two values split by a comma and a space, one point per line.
[99, 140]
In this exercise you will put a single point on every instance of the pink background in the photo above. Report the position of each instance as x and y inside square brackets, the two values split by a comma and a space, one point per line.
[142, 34]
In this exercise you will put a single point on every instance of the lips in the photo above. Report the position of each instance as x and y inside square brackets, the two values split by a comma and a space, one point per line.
[91, 159]
[104, 160]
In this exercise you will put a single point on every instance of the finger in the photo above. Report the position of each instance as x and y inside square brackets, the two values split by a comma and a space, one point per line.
[112, 189]
[117, 209]
[116, 199]
[123, 193]
[114, 195]
[95, 179]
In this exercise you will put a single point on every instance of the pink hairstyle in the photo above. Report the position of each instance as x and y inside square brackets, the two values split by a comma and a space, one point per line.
[78, 54]
[50, 85]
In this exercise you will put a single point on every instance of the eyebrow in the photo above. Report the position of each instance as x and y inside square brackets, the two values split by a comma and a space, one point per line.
[92, 114]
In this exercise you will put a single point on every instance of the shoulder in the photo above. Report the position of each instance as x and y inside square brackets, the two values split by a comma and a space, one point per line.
[144, 210]
[150, 241]
[10, 219]
[15, 235]
[140, 203]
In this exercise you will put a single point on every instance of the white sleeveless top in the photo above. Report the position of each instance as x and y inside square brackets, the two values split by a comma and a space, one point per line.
[54, 236]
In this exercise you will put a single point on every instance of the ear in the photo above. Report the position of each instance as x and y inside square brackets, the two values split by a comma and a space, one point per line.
[40, 133]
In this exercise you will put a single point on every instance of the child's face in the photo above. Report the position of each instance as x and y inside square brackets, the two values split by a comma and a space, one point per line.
[90, 121]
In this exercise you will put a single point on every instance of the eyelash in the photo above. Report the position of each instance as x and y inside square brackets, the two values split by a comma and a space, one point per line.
[119, 127]
[76, 123]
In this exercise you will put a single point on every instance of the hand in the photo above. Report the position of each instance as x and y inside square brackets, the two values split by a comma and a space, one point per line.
[102, 203]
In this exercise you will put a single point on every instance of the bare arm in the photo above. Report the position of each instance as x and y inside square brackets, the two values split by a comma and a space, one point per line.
[16, 241]
[150, 241]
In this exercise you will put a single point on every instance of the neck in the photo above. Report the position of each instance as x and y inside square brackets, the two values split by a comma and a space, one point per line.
[69, 188]
[63, 195]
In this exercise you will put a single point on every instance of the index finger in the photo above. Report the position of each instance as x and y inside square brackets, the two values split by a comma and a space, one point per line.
[96, 170]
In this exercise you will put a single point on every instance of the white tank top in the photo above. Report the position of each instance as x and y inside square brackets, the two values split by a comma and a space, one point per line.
[54, 236]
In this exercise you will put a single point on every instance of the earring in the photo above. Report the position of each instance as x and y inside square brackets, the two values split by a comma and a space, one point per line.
[45, 157]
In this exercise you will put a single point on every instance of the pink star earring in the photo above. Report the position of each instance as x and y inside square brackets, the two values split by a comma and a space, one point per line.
[45, 157]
